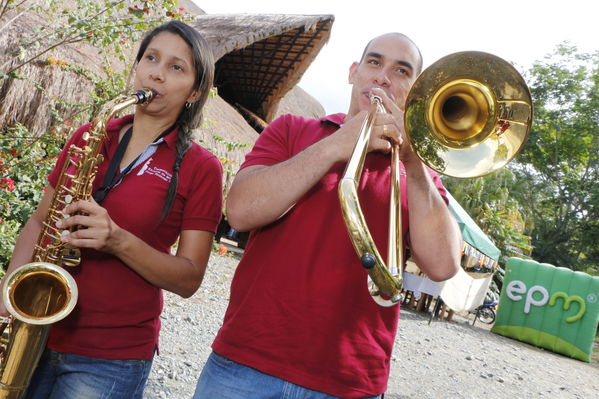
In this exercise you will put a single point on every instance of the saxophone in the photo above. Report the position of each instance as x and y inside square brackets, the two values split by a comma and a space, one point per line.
[41, 293]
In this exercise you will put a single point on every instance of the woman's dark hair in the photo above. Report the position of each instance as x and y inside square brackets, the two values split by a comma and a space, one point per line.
[191, 116]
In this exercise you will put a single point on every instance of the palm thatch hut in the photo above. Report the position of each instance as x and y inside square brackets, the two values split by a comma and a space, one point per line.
[259, 58]
[52, 76]
[259, 61]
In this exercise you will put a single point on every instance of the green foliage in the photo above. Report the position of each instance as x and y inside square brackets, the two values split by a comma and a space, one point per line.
[25, 162]
[230, 145]
[112, 27]
[488, 200]
[559, 166]
[229, 166]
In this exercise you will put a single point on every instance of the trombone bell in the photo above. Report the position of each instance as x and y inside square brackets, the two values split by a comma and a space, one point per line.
[461, 113]
[468, 114]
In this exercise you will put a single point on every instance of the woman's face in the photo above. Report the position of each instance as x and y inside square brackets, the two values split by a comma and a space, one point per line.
[167, 69]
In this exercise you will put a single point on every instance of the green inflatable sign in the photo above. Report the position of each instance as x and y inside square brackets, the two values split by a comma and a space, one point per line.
[550, 307]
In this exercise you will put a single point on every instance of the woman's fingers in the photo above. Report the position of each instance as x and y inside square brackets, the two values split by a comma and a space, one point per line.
[89, 222]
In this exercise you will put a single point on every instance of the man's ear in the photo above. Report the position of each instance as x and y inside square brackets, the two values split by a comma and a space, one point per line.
[352, 71]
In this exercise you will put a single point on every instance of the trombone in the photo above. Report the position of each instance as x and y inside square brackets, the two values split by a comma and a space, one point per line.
[467, 115]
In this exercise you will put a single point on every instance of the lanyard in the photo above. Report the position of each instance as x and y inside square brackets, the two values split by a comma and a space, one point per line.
[111, 178]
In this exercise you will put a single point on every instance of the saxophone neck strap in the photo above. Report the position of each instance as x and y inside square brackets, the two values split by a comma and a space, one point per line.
[111, 178]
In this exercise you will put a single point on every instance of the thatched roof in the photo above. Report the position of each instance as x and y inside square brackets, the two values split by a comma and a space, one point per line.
[259, 58]
[223, 122]
[20, 100]
[191, 7]
[298, 102]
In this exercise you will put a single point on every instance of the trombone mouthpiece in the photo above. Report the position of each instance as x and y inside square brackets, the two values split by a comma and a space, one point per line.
[374, 98]
[378, 100]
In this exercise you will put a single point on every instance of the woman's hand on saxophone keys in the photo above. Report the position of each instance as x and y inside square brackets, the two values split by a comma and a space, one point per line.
[89, 226]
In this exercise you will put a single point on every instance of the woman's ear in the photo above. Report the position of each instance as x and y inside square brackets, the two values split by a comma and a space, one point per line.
[194, 96]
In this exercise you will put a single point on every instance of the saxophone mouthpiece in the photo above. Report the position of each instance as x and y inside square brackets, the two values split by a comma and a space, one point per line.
[144, 96]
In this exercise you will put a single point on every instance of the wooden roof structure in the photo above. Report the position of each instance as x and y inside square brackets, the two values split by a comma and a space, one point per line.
[259, 58]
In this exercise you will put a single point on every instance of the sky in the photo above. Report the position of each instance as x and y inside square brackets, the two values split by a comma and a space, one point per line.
[519, 31]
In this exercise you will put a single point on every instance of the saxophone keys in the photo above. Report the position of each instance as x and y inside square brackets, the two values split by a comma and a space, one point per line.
[71, 256]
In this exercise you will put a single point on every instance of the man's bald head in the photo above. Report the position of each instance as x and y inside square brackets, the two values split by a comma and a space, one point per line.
[418, 68]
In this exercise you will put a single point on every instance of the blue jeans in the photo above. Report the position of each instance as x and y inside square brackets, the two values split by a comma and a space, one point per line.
[61, 375]
[225, 379]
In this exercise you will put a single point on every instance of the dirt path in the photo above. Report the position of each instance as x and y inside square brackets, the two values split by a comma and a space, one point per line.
[437, 361]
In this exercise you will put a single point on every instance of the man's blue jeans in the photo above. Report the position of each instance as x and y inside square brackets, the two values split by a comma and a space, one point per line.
[225, 379]
[62, 375]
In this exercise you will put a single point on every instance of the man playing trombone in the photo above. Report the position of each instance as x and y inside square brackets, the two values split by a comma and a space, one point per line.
[300, 319]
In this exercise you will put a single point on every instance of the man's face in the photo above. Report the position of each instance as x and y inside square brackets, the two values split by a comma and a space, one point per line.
[390, 62]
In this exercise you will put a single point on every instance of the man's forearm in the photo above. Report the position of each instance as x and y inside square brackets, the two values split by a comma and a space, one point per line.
[262, 194]
[434, 234]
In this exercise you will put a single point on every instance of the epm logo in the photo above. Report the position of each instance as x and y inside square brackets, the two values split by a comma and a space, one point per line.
[538, 295]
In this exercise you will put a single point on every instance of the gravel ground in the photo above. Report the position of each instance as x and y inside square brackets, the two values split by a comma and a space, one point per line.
[441, 360]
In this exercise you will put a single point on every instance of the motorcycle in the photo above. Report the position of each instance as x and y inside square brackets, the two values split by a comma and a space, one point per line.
[485, 312]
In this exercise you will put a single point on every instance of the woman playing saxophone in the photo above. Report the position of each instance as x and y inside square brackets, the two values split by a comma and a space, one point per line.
[154, 186]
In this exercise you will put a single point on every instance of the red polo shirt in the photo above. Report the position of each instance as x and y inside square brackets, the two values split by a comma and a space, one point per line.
[300, 308]
[118, 312]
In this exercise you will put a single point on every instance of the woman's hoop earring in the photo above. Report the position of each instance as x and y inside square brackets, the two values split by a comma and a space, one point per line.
[188, 105]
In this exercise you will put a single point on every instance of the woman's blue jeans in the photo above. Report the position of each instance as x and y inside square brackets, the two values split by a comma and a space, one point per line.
[61, 375]
[225, 379]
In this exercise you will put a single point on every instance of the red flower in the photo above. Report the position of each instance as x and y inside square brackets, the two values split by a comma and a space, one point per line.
[7, 184]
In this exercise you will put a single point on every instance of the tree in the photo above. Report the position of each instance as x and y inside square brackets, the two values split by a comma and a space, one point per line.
[559, 165]
[489, 201]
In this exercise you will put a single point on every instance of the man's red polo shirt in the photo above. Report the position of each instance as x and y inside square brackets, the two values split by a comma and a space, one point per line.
[300, 308]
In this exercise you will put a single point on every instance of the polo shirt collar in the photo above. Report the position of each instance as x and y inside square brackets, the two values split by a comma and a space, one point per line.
[171, 138]
[333, 119]
[118, 123]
